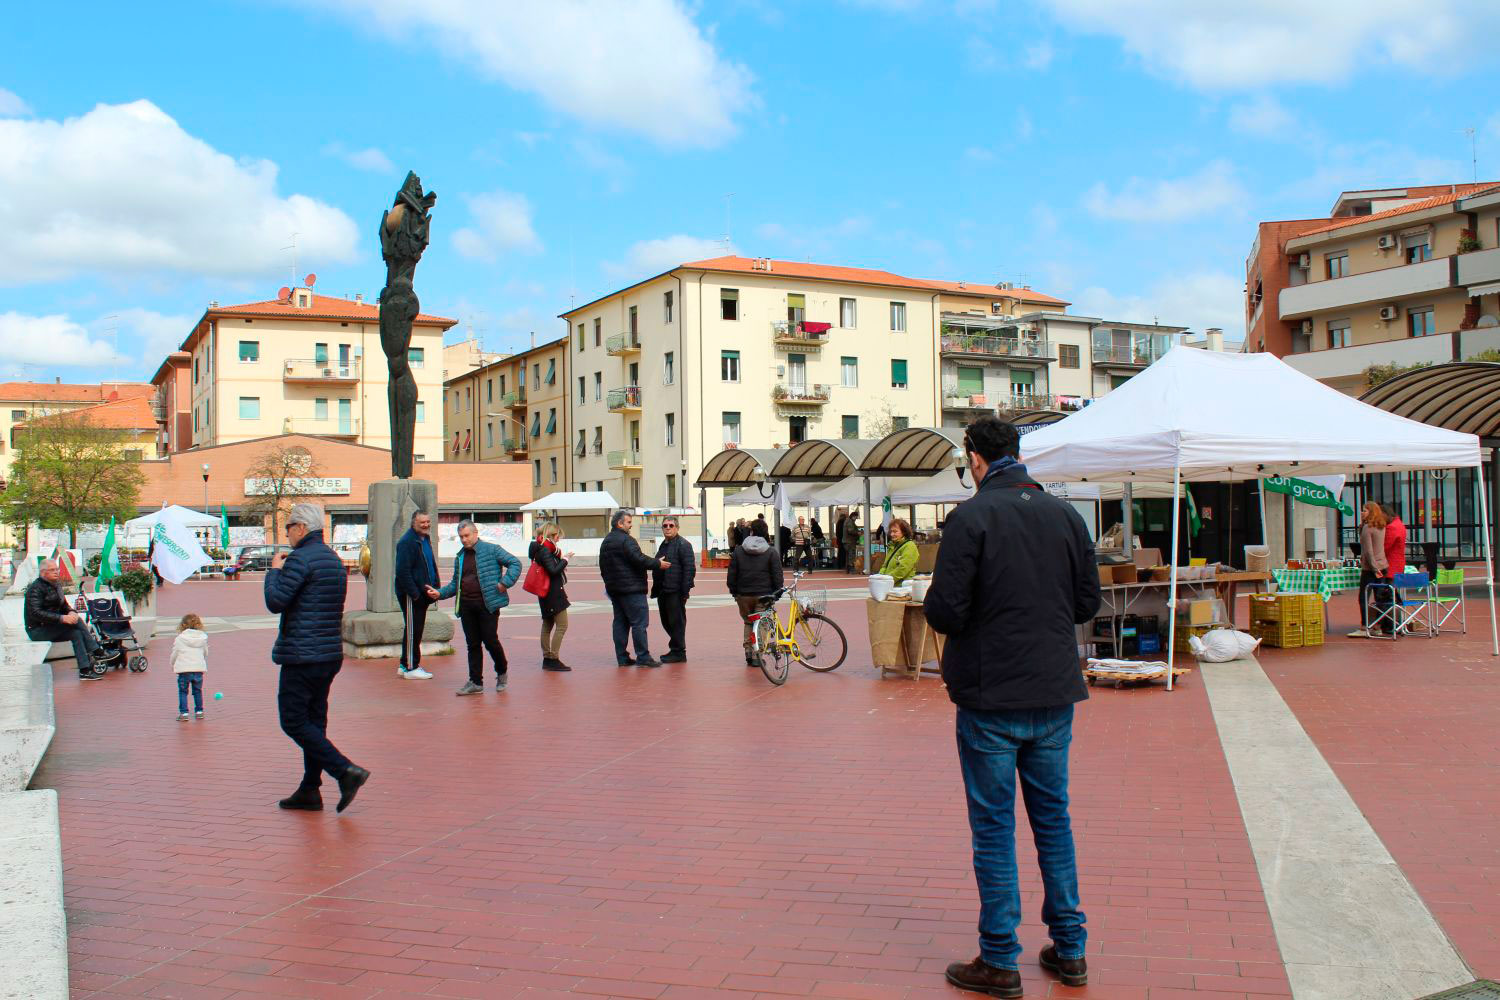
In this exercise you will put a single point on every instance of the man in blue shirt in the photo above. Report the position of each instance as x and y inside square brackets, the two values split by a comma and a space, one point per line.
[416, 590]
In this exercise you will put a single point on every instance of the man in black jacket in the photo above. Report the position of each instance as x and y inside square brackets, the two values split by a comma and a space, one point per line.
[1015, 575]
[416, 585]
[671, 587]
[754, 572]
[49, 619]
[623, 567]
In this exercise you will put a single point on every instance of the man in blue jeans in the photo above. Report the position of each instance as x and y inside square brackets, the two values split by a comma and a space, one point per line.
[1015, 574]
[623, 567]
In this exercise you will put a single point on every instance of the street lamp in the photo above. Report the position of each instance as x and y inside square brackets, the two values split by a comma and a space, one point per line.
[205, 487]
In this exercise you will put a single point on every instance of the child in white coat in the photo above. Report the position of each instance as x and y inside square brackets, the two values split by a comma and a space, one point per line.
[189, 660]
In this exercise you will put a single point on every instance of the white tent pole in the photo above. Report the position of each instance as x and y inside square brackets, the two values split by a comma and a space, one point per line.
[703, 518]
[1127, 518]
[1489, 559]
[869, 530]
[1172, 590]
[1265, 537]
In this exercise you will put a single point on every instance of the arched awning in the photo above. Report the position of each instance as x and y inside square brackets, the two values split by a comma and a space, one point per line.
[821, 461]
[1461, 396]
[916, 451]
[1036, 418]
[738, 467]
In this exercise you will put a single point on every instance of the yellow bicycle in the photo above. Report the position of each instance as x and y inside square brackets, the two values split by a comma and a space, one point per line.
[806, 634]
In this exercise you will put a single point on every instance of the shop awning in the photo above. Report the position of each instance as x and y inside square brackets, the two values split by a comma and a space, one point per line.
[821, 461]
[751, 496]
[915, 451]
[1462, 396]
[738, 467]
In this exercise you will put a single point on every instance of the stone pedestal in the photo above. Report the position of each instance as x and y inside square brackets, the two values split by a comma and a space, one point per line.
[375, 633]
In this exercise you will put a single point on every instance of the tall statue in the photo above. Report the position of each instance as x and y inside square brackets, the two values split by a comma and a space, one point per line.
[403, 237]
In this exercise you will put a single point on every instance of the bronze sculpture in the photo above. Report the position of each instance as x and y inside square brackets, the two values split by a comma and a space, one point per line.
[403, 238]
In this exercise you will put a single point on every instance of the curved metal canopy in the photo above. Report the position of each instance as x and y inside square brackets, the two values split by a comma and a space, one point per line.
[738, 467]
[915, 451]
[1461, 396]
[1037, 418]
[821, 461]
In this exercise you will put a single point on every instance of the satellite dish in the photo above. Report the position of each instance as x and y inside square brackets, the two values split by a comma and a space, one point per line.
[310, 280]
[284, 295]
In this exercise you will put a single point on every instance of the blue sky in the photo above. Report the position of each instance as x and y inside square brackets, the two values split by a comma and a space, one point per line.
[1116, 157]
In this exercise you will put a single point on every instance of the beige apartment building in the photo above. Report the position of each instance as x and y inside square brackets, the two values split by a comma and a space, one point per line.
[21, 402]
[1398, 276]
[513, 410]
[303, 364]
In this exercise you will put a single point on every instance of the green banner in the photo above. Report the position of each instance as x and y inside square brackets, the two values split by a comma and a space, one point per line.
[1309, 493]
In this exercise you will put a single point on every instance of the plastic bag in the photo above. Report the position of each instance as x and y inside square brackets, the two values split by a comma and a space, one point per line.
[1222, 645]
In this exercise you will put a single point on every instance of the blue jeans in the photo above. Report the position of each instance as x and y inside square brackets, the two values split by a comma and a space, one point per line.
[631, 618]
[992, 748]
[185, 681]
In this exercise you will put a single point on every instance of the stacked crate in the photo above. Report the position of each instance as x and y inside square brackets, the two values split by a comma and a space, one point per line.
[1287, 620]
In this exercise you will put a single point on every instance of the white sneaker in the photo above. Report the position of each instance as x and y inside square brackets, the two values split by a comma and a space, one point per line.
[1360, 633]
[418, 673]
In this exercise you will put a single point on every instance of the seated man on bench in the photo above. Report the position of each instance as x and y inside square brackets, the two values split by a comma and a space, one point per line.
[49, 619]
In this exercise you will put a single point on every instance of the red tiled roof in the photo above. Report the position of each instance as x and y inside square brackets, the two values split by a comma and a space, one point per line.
[65, 392]
[323, 307]
[131, 413]
[862, 276]
[989, 291]
[1456, 192]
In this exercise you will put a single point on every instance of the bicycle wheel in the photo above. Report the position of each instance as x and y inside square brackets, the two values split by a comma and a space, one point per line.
[821, 644]
[775, 662]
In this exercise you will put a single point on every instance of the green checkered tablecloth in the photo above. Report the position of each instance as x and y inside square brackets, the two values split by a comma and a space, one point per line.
[1317, 581]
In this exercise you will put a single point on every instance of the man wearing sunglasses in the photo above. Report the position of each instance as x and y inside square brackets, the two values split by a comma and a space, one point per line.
[671, 587]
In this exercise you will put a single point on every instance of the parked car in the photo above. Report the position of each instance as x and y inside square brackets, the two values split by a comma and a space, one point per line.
[254, 558]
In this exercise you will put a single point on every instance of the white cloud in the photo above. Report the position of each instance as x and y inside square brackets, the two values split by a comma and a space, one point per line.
[976, 155]
[124, 190]
[1197, 300]
[1235, 46]
[1211, 189]
[11, 106]
[644, 67]
[1024, 128]
[1038, 56]
[501, 221]
[157, 334]
[1264, 117]
[370, 159]
[52, 341]
[650, 257]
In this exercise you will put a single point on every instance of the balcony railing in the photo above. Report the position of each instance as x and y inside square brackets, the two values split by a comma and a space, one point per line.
[1387, 284]
[624, 398]
[801, 393]
[513, 399]
[313, 370]
[953, 399]
[1017, 403]
[622, 344]
[625, 458]
[1135, 356]
[323, 428]
[515, 445]
[962, 344]
[790, 334]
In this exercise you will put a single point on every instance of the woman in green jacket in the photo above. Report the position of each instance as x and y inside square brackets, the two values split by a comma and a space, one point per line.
[901, 552]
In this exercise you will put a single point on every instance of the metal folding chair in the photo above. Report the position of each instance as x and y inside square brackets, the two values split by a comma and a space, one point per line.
[1442, 605]
[1411, 612]
[1382, 610]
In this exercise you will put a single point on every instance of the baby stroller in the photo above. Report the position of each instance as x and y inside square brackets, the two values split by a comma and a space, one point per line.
[111, 627]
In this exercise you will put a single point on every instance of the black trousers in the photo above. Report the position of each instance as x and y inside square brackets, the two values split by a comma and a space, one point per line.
[414, 620]
[79, 635]
[302, 702]
[481, 632]
[804, 555]
[672, 608]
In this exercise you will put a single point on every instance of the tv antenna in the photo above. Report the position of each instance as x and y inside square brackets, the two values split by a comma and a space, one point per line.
[113, 331]
[727, 241]
[293, 249]
[1473, 150]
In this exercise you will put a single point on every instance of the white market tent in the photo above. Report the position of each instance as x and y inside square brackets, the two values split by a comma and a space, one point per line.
[173, 514]
[573, 501]
[1210, 417]
[751, 496]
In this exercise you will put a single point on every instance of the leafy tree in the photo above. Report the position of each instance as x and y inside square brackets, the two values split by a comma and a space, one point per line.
[1376, 374]
[1490, 355]
[70, 473]
[883, 422]
[281, 473]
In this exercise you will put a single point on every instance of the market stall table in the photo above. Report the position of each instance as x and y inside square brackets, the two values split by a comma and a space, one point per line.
[901, 641]
[1228, 586]
[1317, 581]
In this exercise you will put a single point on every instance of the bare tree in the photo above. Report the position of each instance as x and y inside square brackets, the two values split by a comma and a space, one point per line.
[882, 422]
[279, 477]
[69, 472]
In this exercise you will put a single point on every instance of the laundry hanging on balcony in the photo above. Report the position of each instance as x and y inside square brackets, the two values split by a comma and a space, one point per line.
[811, 326]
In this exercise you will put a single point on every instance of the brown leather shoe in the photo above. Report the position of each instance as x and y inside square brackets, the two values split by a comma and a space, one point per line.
[982, 977]
[1072, 971]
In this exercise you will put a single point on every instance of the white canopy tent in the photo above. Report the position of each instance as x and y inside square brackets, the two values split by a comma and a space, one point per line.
[174, 513]
[751, 496]
[1210, 417]
[581, 502]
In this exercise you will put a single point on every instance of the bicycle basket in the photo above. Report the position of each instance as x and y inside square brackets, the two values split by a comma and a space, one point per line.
[813, 600]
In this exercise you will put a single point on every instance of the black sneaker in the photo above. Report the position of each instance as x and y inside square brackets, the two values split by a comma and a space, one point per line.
[558, 665]
[627, 662]
[674, 658]
[309, 799]
[91, 677]
[647, 661]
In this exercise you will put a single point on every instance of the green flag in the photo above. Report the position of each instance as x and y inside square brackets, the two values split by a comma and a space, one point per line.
[223, 528]
[1309, 493]
[109, 559]
[1195, 523]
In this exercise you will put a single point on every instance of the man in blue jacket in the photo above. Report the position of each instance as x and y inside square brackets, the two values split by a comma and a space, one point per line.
[416, 588]
[483, 574]
[306, 587]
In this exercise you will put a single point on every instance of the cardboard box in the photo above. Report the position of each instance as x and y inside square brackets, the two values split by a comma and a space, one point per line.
[1106, 575]
[1125, 573]
[1200, 612]
[1146, 557]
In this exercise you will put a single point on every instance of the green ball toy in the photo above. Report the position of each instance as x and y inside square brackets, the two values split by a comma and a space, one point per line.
[218, 696]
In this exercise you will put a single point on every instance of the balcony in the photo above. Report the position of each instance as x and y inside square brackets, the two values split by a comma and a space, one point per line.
[962, 402]
[1384, 285]
[515, 399]
[787, 334]
[311, 371]
[626, 399]
[1479, 272]
[345, 429]
[623, 344]
[1027, 401]
[800, 393]
[625, 458]
[1343, 364]
[515, 445]
[962, 345]
[1125, 356]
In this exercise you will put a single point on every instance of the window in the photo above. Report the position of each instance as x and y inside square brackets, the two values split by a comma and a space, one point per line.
[797, 429]
[1339, 333]
[898, 317]
[249, 351]
[599, 485]
[320, 354]
[582, 447]
[1067, 355]
[668, 368]
[581, 390]
[536, 424]
[635, 323]
[17, 414]
[1022, 384]
[1420, 322]
[598, 332]
[1336, 265]
[898, 373]
[421, 412]
[970, 381]
[598, 441]
[536, 375]
[553, 460]
[899, 423]
[536, 475]
[729, 366]
[552, 372]
[1418, 248]
[796, 308]
[552, 421]
[729, 303]
[731, 427]
[249, 407]
[344, 355]
[468, 397]
[849, 372]
[666, 301]
[580, 336]
[195, 424]
[846, 313]
[416, 356]
[851, 427]
[195, 370]
[671, 491]
[502, 385]
[598, 386]
[489, 390]
[671, 429]
[489, 435]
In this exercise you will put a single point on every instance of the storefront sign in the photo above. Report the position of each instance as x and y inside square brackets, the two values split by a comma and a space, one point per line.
[318, 485]
[1309, 493]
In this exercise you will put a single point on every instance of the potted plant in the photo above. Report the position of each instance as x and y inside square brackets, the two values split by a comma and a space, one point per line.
[778, 392]
[1468, 242]
[136, 586]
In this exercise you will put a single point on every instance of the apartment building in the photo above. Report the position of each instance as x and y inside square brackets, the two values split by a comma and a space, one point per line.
[21, 402]
[1396, 276]
[513, 410]
[467, 355]
[302, 363]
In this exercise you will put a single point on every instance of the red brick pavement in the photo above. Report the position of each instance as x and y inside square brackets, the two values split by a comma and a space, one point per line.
[683, 832]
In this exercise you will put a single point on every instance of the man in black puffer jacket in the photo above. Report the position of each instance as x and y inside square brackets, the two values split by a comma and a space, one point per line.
[671, 587]
[623, 566]
[754, 572]
[307, 587]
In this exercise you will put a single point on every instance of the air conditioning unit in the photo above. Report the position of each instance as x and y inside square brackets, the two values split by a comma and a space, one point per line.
[1306, 328]
[1304, 260]
[1387, 241]
[1390, 312]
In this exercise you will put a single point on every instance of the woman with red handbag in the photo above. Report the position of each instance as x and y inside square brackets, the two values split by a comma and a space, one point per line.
[547, 579]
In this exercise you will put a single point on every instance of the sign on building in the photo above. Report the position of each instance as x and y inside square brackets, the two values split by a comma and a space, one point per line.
[320, 485]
